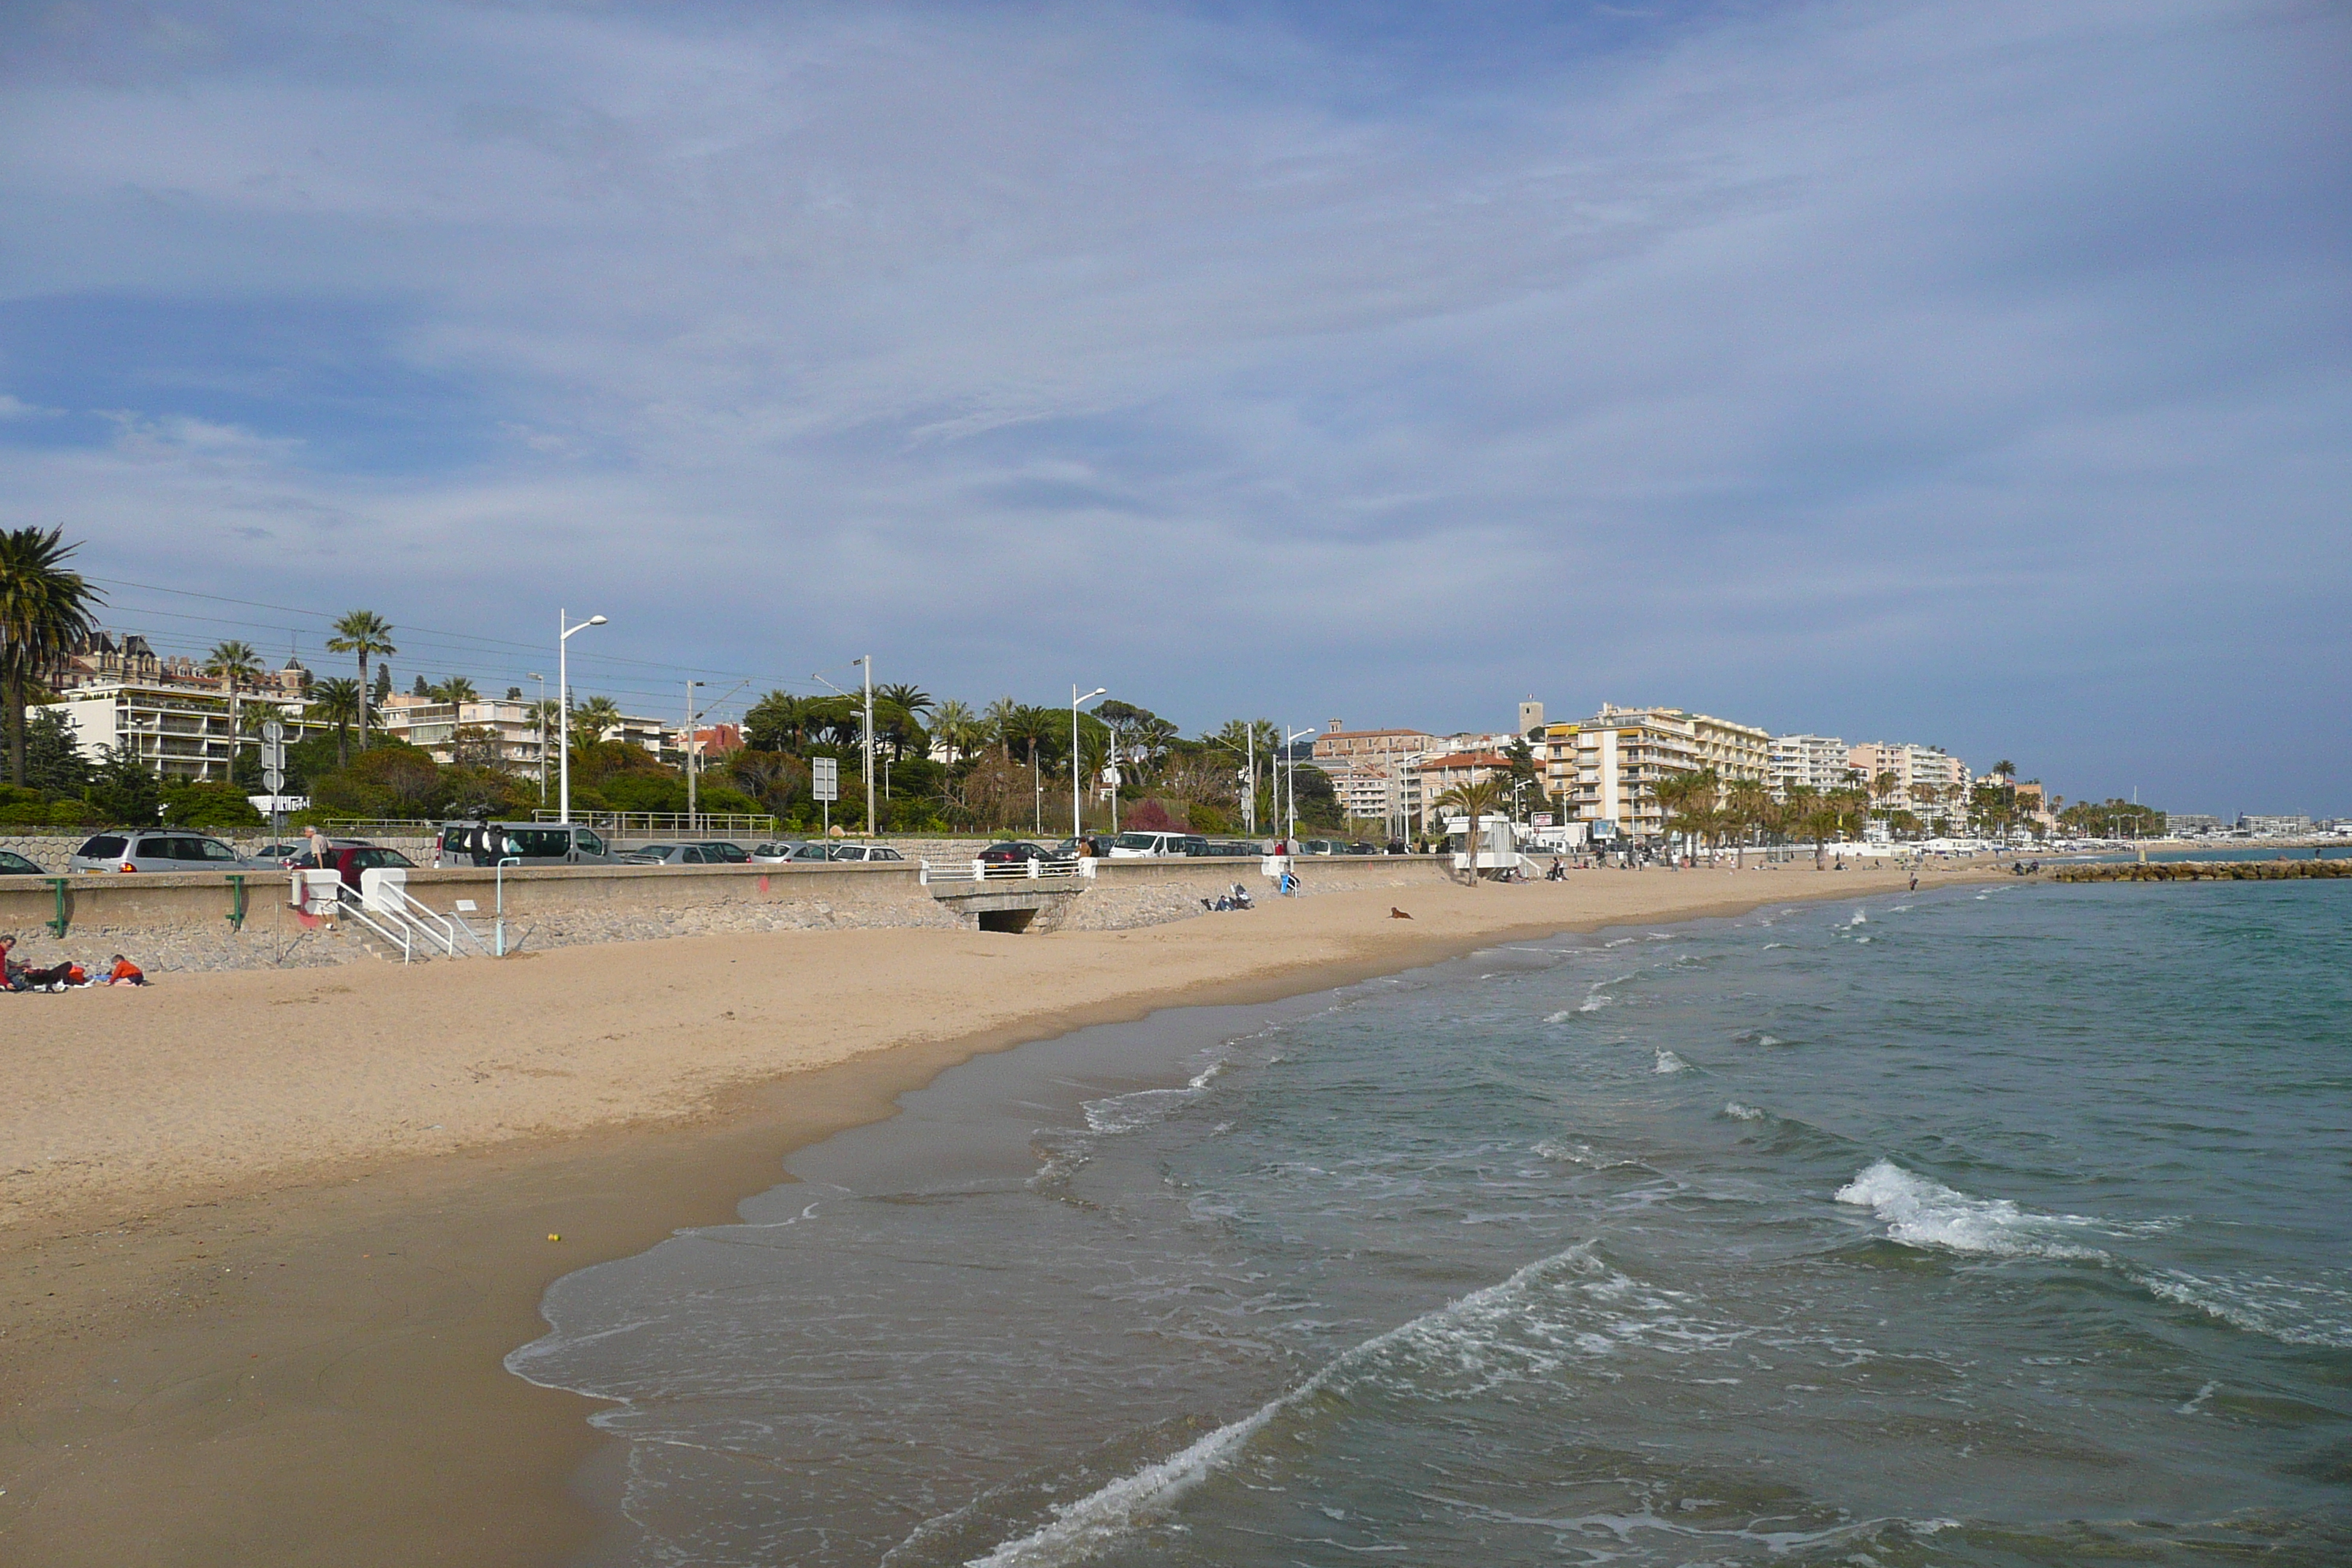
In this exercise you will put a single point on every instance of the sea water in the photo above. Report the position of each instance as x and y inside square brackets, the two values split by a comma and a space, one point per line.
[1985, 1226]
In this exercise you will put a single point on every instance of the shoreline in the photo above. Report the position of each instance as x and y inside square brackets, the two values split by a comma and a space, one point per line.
[310, 1369]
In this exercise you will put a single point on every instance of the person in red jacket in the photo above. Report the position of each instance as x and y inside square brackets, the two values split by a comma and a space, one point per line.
[125, 972]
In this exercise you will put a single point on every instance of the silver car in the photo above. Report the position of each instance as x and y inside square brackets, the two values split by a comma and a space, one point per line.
[161, 849]
[681, 855]
[793, 852]
[867, 852]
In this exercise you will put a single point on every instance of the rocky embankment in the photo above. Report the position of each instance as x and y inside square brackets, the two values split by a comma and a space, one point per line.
[2205, 871]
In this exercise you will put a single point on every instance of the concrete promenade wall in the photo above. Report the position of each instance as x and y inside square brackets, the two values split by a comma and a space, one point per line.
[184, 920]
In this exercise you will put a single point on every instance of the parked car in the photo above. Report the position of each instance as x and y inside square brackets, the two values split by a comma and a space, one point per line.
[778, 852]
[349, 863]
[15, 864]
[1135, 846]
[663, 854]
[1236, 849]
[805, 852]
[299, 855]
[529, 843]
[1359, 847]
[161, 849]
[869, 852]
[720, 852]
[1014, 852]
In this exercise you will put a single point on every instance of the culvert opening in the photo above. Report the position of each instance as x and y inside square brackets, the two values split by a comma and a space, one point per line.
[1006, 919]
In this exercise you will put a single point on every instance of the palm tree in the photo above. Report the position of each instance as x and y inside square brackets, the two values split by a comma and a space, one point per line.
[1747, 806]
[1001, 718]
[366, 634]
[44, 611]
[457, 689]
[338, 703]
[904, 695]
[233, 664]
[955, 723]
[591, 719]
[1475, 799]
[1689, 801]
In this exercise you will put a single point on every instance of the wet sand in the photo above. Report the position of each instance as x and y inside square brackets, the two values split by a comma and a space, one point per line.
[270, 1235]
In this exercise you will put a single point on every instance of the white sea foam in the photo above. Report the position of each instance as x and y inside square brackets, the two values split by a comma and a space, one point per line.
[1860, 939]
[1859, 919]
[1770, 945]
[1669, 1062]
[1739, 1112]
[1562, 1016]
[2197, 1404]
[1081, 1528]
[2294, 1311]
[1918, 1212]
[1126, 1112]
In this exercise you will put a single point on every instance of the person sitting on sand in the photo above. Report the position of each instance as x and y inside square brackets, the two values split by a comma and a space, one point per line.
[125, 972]
[10, 969]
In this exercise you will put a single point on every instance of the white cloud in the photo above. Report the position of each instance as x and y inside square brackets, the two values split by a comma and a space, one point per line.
[1822, 336]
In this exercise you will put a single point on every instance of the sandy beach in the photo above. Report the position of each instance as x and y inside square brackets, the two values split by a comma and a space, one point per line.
[269, 1235]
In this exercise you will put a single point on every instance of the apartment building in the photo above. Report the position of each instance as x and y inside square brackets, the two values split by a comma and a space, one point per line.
[497, 732]
[181, 732]
[501, 731]
[107, 658]
[1607, 768]
[1435, 775]
[1817, 762]
[1928, 781]
[2275, 825]
[1374, 772]
[1389, 746]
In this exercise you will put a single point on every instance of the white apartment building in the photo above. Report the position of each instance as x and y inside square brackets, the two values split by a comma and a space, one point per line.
[1608, 767]
[180, 732]
[1928, 781]
[506, 728]
[2276, 825]
[1818, 762]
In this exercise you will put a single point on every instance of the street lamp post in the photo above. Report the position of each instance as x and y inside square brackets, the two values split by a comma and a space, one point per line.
[565, 630]
[1077, 771]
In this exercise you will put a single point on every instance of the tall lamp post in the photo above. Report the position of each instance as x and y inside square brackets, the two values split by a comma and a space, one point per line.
[565, 629]
[1078, 770]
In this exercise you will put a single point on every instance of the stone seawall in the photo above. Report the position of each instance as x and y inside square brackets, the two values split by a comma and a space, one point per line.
[2205, 871]
[189, 920]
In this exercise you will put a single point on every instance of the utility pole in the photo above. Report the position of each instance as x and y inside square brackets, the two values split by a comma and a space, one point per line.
[692, 756]
[871, 824]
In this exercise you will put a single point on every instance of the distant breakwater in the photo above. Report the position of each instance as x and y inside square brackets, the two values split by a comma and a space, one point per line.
[2204, 871]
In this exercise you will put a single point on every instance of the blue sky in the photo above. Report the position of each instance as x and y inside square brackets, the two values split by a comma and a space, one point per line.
[1974, 375]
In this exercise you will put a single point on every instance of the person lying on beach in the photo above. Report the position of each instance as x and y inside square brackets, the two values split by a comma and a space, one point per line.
[57, 977]
[125, 972]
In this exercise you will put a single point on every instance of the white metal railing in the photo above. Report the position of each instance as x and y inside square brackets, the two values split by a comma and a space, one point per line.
[384, 892]
[384, 906]
[1082, 870]
[671, 824]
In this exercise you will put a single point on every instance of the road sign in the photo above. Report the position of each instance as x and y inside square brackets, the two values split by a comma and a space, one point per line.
[824, 776]
[273, 780]
[272, 730]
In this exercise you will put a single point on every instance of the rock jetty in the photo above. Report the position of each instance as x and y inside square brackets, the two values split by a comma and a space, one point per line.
[2204, 871]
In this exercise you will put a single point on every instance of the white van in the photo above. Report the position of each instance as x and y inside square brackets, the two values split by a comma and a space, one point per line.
[1145, 845]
